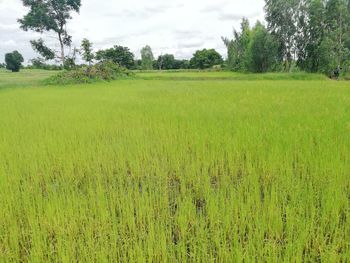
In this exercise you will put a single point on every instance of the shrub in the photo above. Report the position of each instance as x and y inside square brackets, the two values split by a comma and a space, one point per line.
[103, 71]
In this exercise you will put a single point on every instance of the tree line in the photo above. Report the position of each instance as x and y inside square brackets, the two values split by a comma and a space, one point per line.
[307, 35]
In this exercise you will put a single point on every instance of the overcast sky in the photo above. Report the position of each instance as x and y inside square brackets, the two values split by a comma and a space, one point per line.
[179, 27]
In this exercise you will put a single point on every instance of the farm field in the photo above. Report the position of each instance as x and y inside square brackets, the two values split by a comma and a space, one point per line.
[175, 167]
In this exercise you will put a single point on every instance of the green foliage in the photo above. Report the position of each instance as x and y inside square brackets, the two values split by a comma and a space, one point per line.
[40, 63]
[282, 17]
[328, 36]
[165, 62]
[206, 58]
[119, 55]
[40, 47]
[182, 64]
[263, 50]
[252, 50]
[87, 52]
[14, 61]
[147, 58]
[238, 48]
[169, 62]
[316, 33]
[50, 16]
[102, 71]
[312, 57]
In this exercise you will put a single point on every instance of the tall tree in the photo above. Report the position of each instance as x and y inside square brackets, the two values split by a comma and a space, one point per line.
[327, 36]
[338, 30]
[311, 48]
[50, 16]
[147, 58]
[282, 18]
[87, 52]
[237, 48]
[263, 50]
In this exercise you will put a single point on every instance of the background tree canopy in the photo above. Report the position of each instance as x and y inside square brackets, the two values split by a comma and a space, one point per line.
[14, 61]
[313, 35]
[117, 54]
[206, 58]
[147, 58]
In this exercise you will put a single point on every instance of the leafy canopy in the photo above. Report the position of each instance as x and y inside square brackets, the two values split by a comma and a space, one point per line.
[49, 16]
[117, 54]
[206, 58]
[14, 61]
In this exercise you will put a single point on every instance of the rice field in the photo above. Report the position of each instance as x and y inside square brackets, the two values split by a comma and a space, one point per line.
[152, 169]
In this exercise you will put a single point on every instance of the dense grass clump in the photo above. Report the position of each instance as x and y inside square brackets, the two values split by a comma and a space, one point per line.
[176, 171]
[102, 71]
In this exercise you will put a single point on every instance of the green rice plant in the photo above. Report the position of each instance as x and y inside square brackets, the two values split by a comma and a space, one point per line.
[176, 171]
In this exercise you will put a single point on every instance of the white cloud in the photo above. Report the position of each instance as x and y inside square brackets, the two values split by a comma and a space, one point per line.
[168, 26]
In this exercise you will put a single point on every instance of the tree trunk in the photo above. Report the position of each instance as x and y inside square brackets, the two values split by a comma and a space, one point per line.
[62, 49]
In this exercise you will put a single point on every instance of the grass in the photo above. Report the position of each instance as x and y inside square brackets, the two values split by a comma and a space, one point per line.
[24, 78]
[224, 75]
[176, 171]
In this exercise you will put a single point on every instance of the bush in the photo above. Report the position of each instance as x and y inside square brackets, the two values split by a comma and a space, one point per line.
[103, 71]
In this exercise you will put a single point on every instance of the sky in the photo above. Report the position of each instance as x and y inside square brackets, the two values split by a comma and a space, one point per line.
[178, 27]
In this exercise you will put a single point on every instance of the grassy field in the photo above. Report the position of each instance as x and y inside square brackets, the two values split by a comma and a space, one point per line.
[25, 78]
[223, 75]
[175, 169]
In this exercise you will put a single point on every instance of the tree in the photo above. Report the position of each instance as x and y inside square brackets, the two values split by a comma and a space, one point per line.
[87, 52]
[309, 57]
[117, 54]
[338, 31]
[206, 58]
[182, 64]
[237, 48]
[50, 16]
[263, 50]
[166, 62]
[14, 61]
[325, 43]
[147, 58]
[282, 18]
[2, 65]
[138, 64]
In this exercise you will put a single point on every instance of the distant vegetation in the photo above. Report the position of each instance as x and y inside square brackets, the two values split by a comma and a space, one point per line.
[309, 35]
[106, 70]
[14, 61]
